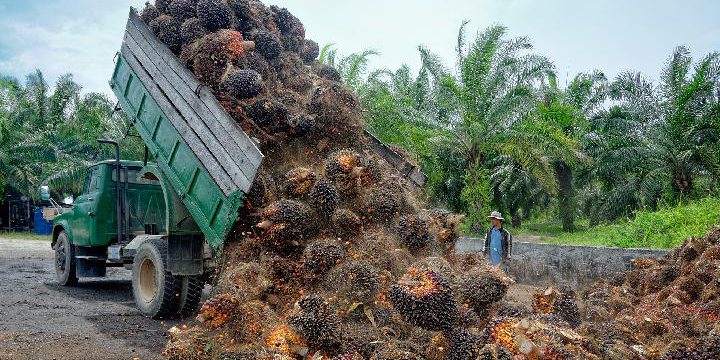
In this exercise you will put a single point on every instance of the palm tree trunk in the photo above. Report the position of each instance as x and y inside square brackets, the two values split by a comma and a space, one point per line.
[566, 195]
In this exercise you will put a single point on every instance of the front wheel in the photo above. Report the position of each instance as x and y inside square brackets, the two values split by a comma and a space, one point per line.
[65, 261]
[157, 292]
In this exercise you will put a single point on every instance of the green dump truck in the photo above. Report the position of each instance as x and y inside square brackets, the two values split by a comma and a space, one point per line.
[166, 220]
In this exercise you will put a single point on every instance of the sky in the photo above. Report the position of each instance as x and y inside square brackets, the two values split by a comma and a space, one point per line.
[82, 36]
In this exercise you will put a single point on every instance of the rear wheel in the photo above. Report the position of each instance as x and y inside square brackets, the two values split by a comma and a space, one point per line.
[191, 294]
[157, 292]
[65, 261]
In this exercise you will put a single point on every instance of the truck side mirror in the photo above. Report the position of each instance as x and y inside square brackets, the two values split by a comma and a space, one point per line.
[69, 200]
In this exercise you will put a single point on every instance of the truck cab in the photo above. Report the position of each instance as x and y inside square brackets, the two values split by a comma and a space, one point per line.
[145, 205]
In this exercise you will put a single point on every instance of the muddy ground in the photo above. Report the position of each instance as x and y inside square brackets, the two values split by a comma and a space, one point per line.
[95, 320]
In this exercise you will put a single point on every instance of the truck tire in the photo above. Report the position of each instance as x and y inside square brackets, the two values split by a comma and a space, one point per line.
[156, 291]
[65, 261]
[191, 294]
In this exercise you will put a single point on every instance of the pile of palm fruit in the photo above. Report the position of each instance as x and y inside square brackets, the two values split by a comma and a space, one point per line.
[665, 308]
[332, 256]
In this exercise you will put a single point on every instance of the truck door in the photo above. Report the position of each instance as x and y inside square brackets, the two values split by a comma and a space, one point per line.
[83, 223]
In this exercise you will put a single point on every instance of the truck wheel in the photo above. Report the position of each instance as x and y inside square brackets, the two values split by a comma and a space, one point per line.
[65, 261]
[191, 294]
[156, 291]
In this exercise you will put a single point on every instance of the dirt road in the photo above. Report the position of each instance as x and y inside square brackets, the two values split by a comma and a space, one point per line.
[95, 320]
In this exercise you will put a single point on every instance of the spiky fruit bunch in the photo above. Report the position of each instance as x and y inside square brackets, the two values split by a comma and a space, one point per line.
[543, 302]
[445, 226]
[300, 124]
[243, 84]
[463, 345]
[167, 29]
[187, 344]
[321, 256]
[192, 30]
[384, 202]
[284, 340]
[349, 170]
[413, 232]
[214, 53]
[286, 223]
[316, 322]
[267, 44]
[286, 22]
[162, 6]
[268, 114]
[346, 223]
[481, 287]
[217, 310]
[567, 307]
[689, 288]
[298, 182]
[214, 14]
[149, 13]
[327, 72]
[181, 9]
[250, 321]
[425, 299]
[337, 110]
[324, 198]
[310, 51]
[357, 281]
[502, 332]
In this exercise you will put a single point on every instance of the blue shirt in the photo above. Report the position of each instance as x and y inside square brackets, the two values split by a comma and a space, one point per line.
[495, 250]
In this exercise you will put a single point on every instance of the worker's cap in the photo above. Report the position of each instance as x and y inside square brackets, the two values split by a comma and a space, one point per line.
[496, 215]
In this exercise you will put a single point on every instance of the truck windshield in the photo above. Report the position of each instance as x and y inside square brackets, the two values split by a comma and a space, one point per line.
[133, 176]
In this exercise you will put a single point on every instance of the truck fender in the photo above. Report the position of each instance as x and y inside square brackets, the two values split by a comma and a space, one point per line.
[131, 248]
[57, 228]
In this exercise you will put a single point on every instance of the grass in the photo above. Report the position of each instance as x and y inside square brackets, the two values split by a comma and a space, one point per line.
[662, 229]
[23, 236]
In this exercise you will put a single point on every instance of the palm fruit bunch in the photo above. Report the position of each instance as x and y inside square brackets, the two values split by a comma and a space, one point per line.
[217, 310]
[212, 55]
[310, 51]
[192, 29]
[349, 170]
[268, 114]
[337, 110]
[324, 198]
[464, 345]
[181, 9]
[413, 232]
[285, 341]
[327, 72]
[562, 303]
[167, 29]
[267, 44]
[214, 14]
[384, 203]
[243, 84]
[445, 227]
[286, 223]
[298, 182]
[482, 286]
[425, 299]
[291, 29]
[321, 256]
[356, 281]
[346, 223]
[149, 13]
[316, 323]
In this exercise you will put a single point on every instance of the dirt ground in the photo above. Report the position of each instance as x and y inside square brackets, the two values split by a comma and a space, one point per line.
[95, 320]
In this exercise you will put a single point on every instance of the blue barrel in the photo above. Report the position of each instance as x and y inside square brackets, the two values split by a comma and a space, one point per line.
[42, 226]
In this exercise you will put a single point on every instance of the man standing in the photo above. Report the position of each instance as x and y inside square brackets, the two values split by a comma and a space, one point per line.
[498, 243]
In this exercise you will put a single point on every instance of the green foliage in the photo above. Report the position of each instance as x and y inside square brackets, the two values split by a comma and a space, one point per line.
[666, 228]
[476, 195]
[50, 137]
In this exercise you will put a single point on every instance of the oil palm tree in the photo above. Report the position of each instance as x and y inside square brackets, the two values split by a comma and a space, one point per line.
[654, 142]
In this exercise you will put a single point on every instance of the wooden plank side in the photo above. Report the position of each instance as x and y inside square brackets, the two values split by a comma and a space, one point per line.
[216, 144]
[219, 175]
[208, 106]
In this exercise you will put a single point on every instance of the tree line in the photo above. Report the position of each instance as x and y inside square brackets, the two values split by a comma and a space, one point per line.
[48, 135]
[496, 131]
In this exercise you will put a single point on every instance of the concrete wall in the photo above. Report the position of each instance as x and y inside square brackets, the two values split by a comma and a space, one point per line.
[551, 264]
